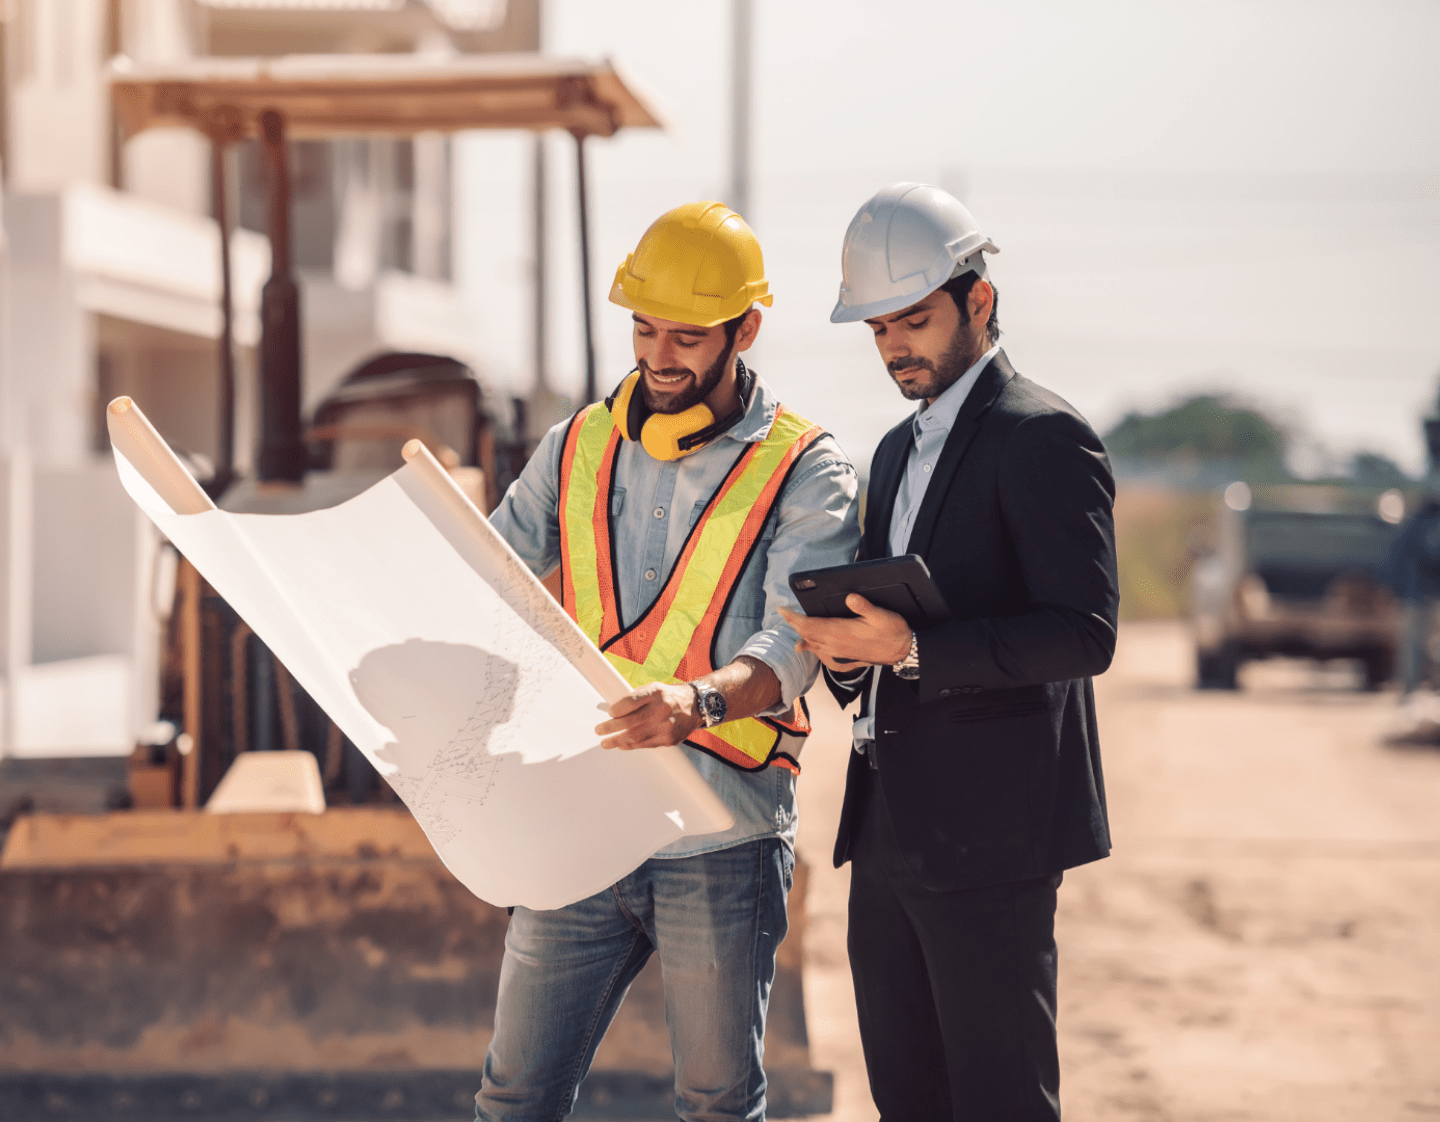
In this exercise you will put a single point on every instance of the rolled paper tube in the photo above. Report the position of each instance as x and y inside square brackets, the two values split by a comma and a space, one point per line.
[135, 438]
[458, 517]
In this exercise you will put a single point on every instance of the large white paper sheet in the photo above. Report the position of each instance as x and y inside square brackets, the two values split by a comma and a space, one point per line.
[440, 656]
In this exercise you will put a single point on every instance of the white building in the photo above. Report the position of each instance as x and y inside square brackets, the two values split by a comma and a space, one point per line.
[110, 282]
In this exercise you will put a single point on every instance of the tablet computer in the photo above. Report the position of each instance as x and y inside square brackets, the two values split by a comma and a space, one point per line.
[900, 584]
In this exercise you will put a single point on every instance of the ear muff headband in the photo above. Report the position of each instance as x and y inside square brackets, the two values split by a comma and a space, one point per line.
[620, 405]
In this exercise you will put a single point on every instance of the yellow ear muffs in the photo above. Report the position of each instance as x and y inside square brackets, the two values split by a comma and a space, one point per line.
[627, 406]
[665, 436]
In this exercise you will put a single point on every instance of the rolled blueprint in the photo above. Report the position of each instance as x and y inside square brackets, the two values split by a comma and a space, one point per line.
[430, 644]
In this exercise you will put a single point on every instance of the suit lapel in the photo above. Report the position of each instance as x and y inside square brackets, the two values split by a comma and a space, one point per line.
[992, 380]
[887, 470]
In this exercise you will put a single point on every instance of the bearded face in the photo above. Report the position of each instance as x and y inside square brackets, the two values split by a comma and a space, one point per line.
[928, 346]
[929, 378]
[676, 388]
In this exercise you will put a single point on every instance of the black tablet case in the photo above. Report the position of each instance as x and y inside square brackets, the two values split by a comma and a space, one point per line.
[899, 584]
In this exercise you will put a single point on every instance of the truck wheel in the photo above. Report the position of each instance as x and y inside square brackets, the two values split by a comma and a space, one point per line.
[1379, 669]
[1217, 669]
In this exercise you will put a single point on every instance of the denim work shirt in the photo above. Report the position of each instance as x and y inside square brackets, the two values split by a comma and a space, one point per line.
[814, 523]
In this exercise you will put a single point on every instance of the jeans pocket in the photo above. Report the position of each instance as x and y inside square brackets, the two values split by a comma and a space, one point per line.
[787, 866]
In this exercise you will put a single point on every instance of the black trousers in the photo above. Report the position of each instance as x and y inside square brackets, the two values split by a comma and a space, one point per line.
[955, 990]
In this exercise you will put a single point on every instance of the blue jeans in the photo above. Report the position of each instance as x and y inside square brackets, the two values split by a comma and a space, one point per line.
[715, 919]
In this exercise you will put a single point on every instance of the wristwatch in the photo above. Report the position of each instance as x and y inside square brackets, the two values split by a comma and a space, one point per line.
[909, 666]
[709, 704]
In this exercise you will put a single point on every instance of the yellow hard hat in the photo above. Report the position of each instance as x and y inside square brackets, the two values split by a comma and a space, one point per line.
[698, 264]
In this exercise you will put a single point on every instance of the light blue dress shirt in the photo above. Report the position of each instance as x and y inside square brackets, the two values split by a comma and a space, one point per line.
[931, 428]
[814, 524]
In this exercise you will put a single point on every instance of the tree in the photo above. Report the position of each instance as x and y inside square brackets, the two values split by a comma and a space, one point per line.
[1205, 427]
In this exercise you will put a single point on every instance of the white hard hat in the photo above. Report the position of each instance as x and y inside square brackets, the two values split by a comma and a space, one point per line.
[904, 243]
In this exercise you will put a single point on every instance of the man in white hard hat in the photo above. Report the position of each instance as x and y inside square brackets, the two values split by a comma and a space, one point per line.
[674, 511]
[975, 780]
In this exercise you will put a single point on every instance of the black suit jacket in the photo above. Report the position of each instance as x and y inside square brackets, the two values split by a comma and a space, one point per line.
[989, 763]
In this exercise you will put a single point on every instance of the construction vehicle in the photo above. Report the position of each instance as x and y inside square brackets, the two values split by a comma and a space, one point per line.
[163, 962]
[1296, 574]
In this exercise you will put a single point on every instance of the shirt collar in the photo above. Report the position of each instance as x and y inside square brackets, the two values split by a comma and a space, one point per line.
[759, 415]
[940, 416]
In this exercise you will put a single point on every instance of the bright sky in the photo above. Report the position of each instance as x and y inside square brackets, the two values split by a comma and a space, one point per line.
[1236, 196]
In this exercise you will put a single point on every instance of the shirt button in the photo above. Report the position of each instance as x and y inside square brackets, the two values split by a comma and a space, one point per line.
[660, 510]
[650, 574]
[927, 467]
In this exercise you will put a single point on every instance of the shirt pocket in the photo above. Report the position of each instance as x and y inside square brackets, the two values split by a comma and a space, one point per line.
[697, 510]
[617, 501]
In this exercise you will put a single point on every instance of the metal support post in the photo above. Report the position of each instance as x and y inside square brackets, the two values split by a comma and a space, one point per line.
[225, 388]
[538, 215]
[582, 193]
[282, 452]
[742, 18]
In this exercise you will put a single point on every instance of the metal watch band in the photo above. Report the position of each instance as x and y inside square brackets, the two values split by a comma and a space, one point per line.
[709, 704]
[909, 666]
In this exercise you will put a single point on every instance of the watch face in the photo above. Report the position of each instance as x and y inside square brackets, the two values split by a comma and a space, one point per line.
[714, 703]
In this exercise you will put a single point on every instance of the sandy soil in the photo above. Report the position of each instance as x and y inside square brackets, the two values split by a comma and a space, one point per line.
[1262, 944]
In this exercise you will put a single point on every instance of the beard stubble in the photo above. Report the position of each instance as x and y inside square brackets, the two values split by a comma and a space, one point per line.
[693, 394]
[957, 358]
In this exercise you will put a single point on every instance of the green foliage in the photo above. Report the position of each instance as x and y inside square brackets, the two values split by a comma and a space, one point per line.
[1203, 428]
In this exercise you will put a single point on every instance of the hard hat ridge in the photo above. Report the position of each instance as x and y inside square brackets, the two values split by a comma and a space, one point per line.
[903, 244]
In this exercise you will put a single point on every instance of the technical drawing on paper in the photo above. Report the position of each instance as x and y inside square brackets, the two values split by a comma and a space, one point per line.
[462, 773]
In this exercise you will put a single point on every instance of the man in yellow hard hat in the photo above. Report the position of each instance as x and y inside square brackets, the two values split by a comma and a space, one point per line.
[675, 511]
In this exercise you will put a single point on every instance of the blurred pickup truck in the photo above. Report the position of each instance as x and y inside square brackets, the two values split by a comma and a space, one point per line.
[1298, 583]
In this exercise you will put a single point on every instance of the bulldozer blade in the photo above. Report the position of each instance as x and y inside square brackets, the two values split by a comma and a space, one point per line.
[164, 965]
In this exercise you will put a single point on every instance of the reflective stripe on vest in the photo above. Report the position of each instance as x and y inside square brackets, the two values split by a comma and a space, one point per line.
[673, 641]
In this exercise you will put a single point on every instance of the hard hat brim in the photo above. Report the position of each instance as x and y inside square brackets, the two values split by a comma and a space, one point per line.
[854, 313]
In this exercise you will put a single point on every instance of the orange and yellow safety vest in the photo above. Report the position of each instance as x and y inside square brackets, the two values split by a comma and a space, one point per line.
[674, 640]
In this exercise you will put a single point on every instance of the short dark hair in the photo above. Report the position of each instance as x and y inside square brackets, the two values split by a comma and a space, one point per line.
[959, 289]
[732, 328]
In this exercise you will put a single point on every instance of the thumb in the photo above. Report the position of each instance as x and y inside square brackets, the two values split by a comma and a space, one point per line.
[860, 606]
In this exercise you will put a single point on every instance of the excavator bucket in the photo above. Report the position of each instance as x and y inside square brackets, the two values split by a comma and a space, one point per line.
[166, 964]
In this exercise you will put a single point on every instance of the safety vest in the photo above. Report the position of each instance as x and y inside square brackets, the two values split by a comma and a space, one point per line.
[674, 640]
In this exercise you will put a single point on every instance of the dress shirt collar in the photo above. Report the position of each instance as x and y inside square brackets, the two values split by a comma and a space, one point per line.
[941, 415]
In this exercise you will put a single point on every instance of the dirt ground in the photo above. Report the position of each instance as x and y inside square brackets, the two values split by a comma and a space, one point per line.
[1262, 944]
